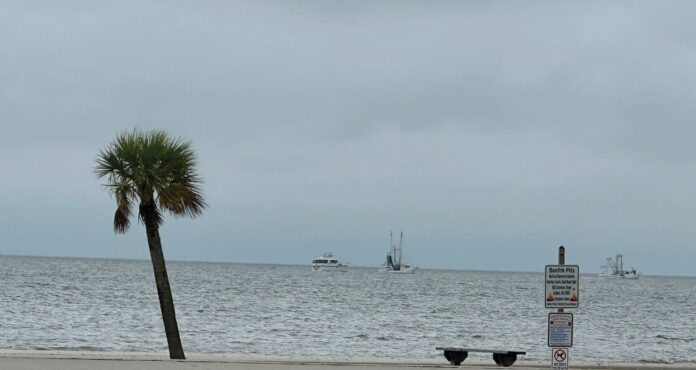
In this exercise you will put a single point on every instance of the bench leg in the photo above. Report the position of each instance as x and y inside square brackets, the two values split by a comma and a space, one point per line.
[505, 360]
[456, 357]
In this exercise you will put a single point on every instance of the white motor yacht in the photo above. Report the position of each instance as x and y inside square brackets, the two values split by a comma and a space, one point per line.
[327, 262]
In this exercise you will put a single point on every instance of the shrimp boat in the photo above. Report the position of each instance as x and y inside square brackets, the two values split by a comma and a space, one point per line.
[613, 268]
[327, 262]
[395, 263]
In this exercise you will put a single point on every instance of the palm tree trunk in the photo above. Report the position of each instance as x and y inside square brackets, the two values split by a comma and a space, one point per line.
[176, 351]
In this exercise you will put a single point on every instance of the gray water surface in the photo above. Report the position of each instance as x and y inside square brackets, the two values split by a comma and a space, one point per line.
[111, 305]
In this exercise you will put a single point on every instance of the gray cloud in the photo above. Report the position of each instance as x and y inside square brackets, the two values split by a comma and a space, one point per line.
[473, 125]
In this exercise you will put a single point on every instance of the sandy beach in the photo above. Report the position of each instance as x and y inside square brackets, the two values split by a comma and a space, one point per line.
[77, 360]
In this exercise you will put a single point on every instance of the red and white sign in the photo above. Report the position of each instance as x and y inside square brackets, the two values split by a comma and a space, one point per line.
[559, 358]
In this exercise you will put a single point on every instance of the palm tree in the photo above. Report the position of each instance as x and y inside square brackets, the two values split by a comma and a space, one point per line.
[158, 173]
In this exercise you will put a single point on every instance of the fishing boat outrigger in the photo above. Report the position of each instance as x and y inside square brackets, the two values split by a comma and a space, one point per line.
[614, 268]
[395, 262]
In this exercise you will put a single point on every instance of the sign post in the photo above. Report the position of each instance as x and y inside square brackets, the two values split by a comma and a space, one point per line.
[562, 291]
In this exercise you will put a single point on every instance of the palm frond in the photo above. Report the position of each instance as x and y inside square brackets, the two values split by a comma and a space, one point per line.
[124, 197]
[153, 169]
[121, 221]
[184, 199]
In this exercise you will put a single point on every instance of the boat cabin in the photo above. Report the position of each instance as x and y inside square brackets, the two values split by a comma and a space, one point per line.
[324, 261]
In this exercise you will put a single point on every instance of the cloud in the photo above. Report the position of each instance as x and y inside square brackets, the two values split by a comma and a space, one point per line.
[522, 121]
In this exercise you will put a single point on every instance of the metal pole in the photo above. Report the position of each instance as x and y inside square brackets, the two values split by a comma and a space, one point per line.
[561, 261]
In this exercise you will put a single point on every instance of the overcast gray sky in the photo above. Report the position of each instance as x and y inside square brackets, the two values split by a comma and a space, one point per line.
[489, 132]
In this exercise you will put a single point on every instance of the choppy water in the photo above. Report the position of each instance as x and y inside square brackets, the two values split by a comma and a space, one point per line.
[111, 305]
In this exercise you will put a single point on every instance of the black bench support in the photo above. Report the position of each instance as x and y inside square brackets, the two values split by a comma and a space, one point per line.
[504, 359]
[456, 357]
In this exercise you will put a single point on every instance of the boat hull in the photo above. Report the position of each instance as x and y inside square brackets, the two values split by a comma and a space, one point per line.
[627, 276]
[341, 268]
[404, 271]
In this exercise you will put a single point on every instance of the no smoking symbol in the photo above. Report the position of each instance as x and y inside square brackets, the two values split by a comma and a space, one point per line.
[560, 355]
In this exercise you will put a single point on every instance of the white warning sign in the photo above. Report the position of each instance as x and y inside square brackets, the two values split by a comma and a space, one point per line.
[560, 329]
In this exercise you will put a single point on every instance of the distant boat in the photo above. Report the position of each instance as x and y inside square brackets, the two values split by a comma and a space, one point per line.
[395, 263]
[327, 262]
[613, 268]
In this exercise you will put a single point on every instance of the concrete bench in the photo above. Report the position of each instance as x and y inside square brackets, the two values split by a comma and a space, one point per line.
[502, 358]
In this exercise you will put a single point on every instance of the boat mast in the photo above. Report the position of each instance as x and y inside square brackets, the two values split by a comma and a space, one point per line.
[398, 259]
[389, 263]
[392, 250]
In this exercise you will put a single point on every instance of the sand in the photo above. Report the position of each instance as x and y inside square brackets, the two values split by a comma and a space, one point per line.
[77, 360]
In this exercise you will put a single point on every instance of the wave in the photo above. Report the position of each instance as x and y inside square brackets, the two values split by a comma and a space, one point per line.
[687, 340]
[662, 362]
[65, 348]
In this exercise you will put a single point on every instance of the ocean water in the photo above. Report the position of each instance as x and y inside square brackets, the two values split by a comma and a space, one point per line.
[111, 305]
